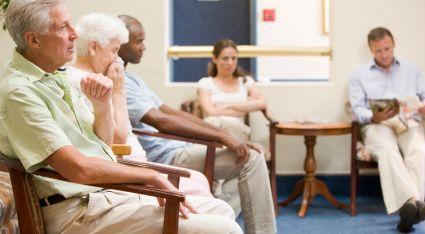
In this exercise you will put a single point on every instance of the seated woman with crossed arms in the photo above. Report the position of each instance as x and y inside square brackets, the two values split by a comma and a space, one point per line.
[227, 95]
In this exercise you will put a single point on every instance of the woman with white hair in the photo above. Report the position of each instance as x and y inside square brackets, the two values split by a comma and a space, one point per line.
[100, 38]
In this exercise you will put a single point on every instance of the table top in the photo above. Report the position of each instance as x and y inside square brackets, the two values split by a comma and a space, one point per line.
[314, 129]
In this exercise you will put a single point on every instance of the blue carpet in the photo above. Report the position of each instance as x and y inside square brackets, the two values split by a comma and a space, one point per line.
[322, 217]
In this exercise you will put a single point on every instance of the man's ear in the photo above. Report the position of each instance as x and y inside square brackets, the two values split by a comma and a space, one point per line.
[32, 39]
[92, 48]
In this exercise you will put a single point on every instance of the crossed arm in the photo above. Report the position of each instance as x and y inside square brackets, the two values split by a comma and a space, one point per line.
[255, 102]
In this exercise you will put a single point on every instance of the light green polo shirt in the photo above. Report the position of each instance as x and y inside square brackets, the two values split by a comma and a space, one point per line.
[41, 113]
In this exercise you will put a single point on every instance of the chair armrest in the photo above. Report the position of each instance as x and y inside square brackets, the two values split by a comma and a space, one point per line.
[165, 169]
[134, 188]
[121, 149]
[272, 121]
[178, 138]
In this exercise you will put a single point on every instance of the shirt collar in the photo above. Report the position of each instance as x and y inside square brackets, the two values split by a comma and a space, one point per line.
[35, 73]
[373, 65]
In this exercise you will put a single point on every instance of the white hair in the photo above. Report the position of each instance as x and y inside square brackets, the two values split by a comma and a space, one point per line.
[28, 16]
[99, 28]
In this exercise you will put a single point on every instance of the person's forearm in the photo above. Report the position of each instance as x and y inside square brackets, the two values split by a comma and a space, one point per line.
[78, 168]
[176, 125]
[122, 121]
[195, 120]
[363, 114]
[249, 105]
[103, 125]
[222, 110]
[192, 118]
[102, 171]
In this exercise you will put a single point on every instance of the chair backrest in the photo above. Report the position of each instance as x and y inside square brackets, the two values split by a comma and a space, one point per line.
[26, 200]
[193, 107]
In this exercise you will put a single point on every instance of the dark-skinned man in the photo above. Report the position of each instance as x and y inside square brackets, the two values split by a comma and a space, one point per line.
[241, 160]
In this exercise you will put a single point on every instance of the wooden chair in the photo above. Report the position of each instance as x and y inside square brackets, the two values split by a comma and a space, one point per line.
[210, 155]
[356, 165]
[29, 212]
[192, 106]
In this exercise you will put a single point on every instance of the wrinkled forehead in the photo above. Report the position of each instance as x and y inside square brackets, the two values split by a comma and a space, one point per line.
[59, 15]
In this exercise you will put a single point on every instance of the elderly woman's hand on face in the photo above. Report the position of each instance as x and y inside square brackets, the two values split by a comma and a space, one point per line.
[98, 89]
[115, 72]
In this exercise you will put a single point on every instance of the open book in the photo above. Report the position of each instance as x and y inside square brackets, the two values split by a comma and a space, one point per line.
[408, 108]
[383, 104]
[408, 104]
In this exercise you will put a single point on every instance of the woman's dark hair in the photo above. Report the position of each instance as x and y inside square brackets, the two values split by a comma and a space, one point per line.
[218, 47]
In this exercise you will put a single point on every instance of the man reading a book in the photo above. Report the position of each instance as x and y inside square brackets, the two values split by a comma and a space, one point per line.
[400, 153]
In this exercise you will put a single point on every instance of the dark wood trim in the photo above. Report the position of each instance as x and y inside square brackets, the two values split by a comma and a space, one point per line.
[177, 138]
[209, 166]
[165, 169]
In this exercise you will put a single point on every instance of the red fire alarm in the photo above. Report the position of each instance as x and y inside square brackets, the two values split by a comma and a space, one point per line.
[268, 15]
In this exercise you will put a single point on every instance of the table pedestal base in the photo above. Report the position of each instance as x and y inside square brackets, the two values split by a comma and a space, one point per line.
[309, 189]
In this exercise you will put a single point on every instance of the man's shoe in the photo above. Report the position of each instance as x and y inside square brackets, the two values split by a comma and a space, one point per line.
[408, 216]
[421, 211]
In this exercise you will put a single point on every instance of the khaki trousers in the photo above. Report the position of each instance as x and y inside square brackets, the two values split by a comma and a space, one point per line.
[401, 162]
[253, 183]
[111, 211]
[227, 190]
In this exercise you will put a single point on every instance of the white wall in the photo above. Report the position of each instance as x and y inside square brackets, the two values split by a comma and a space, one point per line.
[352, 19]
[297, 24]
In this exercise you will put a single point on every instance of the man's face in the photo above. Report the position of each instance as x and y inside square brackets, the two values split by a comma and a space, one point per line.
[132, 51]
[57, 45]
[383, 51]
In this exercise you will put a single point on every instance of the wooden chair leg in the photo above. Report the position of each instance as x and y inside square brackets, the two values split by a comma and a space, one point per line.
[354, 169]
[174, 180]
[353, 191]
[209, 166]
[274, 192]
[28, 219]
[171, 217]
[272, 167]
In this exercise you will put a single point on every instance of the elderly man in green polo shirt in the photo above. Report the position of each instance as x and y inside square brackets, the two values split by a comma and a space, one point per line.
[44, 123]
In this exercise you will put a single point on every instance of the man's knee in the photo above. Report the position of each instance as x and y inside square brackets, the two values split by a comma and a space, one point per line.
[384, 151]
[415, 156]
[256, 157]
[418, 151]
[225, 209]
[209, 223]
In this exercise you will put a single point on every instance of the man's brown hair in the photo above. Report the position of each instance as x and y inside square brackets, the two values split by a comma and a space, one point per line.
[378, 34]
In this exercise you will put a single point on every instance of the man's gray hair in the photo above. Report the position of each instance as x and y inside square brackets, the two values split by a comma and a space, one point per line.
[99, 28]
[28, 16]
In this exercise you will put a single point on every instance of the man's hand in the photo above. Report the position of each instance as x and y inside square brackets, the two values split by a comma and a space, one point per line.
[241, 148]
[115, 72]
[421, 109]
[159, 181]
[98, 89]
[387, 113]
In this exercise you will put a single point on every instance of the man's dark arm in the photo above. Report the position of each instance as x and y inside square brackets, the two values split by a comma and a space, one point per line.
[189, 117]
[176, 125]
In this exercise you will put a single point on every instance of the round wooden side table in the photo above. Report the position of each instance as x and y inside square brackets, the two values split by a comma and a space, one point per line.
[309, 187]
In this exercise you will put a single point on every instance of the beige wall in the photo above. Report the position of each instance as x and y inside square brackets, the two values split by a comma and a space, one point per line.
[352, 19]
